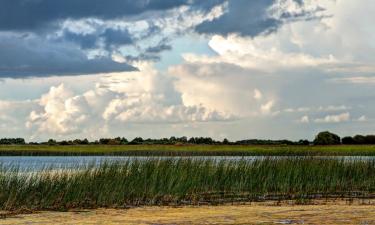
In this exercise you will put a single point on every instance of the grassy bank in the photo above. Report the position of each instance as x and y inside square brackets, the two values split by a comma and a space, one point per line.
[185, 181]
[187, 150]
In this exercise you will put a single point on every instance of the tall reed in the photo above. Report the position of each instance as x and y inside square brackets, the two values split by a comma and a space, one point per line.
[184, 181]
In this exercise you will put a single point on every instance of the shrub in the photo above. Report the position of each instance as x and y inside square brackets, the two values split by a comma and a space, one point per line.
[327, 138]
[348, 140]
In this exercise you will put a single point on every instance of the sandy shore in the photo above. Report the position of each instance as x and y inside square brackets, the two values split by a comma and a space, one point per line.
[337, 212]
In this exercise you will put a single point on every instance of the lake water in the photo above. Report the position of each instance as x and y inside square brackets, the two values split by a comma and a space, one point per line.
[35, 163]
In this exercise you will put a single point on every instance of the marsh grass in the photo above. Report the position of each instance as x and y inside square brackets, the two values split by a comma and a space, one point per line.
[184, 181]
[187, 150]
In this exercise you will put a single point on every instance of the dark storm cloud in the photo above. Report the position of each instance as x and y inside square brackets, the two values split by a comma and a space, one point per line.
[206, 5]
[114, 38]
[151, 53]
[160, 47]
[34, 14]
[244, 17]
[111, 38]
[32, 57]
[85, 41]
[41, 56]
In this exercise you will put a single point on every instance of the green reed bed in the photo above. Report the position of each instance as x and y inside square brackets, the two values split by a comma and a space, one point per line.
[184, 181]
[187, 150]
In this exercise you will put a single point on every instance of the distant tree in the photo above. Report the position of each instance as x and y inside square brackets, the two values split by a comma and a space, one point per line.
[80, 142]
[303, 142]
[370, 139]
[182, 139]
[85, 142]
[64, 142]
[114, 141]
[19, 141]
[359, 139]
[348, 140]
[225, 141]
[104, 141]
[201, 140]
[191, 140]
[327, 138]
[172, 140]
[136, 141]
[52, 142]
[12, 141]
[124, 141]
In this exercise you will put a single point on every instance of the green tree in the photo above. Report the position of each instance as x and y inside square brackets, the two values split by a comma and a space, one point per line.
[327, 138]
[359, 139]
[348, 140]
[51, 142]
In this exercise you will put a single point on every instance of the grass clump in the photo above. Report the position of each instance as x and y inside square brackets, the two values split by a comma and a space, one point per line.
[184, 181]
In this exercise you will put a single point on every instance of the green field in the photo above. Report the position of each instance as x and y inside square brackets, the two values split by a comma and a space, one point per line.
[186, 181]
[187, 150]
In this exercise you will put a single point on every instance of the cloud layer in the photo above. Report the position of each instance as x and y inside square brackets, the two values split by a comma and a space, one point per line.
[40, 38]
[30, 57]
[258, 69]
[38, 14]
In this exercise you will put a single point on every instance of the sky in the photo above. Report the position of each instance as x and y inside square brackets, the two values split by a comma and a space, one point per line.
[236, 69]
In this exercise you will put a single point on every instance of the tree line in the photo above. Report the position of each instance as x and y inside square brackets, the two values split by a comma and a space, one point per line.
[173, 141]
[323, 138]
[149, 141]
[328, 138]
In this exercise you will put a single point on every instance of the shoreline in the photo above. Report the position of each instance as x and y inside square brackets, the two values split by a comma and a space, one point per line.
[355, 211]
[186, 150]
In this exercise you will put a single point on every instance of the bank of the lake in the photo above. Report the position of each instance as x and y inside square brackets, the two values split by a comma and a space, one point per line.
[186, 150]
[270, 212]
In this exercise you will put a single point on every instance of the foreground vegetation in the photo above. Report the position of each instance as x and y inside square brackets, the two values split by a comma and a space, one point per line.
[185, 181]
[187, 150]
[318, 212]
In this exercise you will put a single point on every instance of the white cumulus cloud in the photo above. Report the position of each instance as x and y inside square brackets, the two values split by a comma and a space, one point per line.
[343, 117]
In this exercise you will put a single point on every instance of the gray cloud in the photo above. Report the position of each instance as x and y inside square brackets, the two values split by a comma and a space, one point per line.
[152, 52]
[159, 48]
[114, 38]
[304, 14]
[244, 17]
[250, 18]
[33, 57]
[55, 52]
[34, 14]
[25, 57]
[85, 41]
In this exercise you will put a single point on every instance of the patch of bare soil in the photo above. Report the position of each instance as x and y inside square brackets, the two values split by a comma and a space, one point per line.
[318, 212]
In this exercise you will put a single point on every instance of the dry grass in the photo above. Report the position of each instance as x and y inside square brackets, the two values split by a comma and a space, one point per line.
[321, 212]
